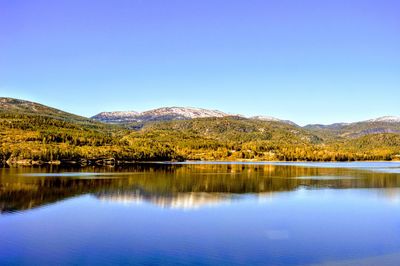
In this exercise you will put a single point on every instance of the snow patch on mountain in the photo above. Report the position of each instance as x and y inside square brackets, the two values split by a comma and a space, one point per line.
[159, 114]
[172, 113]
[273, 119]
[117, 114]
[387, 119]
[116, 117]
[187, 112]
[265, 118]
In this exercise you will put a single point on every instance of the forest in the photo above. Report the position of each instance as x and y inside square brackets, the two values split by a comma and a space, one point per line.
[29, 138]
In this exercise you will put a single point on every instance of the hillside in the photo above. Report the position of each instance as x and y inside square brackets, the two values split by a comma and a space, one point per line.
[358, 129]
[238, 129]
[236, 138]
[32, 133]
[10, 107]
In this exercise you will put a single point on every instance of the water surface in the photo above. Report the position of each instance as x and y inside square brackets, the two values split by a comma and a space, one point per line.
[203, 214]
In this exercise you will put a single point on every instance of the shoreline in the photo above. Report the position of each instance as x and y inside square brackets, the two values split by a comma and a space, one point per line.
[111, 162]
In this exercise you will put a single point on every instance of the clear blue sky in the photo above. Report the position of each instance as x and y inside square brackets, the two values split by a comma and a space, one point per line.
[308, 61]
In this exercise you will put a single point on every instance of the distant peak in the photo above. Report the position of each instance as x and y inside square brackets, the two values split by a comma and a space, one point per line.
[265, 118]
[388, 119]
[161, 114]
[118, 113]
[273, 119]
[189, 112]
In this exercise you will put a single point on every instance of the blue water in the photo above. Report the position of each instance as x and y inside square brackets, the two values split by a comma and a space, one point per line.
[220, 214]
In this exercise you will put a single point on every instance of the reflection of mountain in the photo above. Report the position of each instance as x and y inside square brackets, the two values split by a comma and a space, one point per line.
[177, 186]
[188, 200]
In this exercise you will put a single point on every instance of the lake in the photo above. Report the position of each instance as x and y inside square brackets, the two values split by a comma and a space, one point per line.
[202, 214]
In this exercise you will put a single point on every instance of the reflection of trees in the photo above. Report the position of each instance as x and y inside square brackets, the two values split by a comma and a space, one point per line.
[176, 185]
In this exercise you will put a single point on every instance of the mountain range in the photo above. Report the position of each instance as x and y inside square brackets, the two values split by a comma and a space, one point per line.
[386, 124]
[159, 114]
[32, 132]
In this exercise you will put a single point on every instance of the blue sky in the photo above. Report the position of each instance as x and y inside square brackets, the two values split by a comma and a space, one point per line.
[308, 61]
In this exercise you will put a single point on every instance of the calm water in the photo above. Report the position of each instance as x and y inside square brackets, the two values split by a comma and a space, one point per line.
[203, 214]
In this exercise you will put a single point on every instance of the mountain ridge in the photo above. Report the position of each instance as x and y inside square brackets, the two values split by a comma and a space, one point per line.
[172, 113]
[158, 114]
[32, 133]
[385, 124]
[184, 113]
[24, 106]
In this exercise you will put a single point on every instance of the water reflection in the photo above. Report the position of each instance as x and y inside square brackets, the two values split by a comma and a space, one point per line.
[187, 200]
[180, 185]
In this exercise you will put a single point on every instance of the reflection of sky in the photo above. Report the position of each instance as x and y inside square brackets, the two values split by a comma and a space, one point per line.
[304, 226]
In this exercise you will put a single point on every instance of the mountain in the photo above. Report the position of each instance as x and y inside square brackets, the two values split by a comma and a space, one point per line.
[160, 114]
[381, 125]
[169, 114]
[234, 129]
[385, 119]
[15, 107]
[116, 117]
[335, 126]
[32, 133]
[270, 118]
